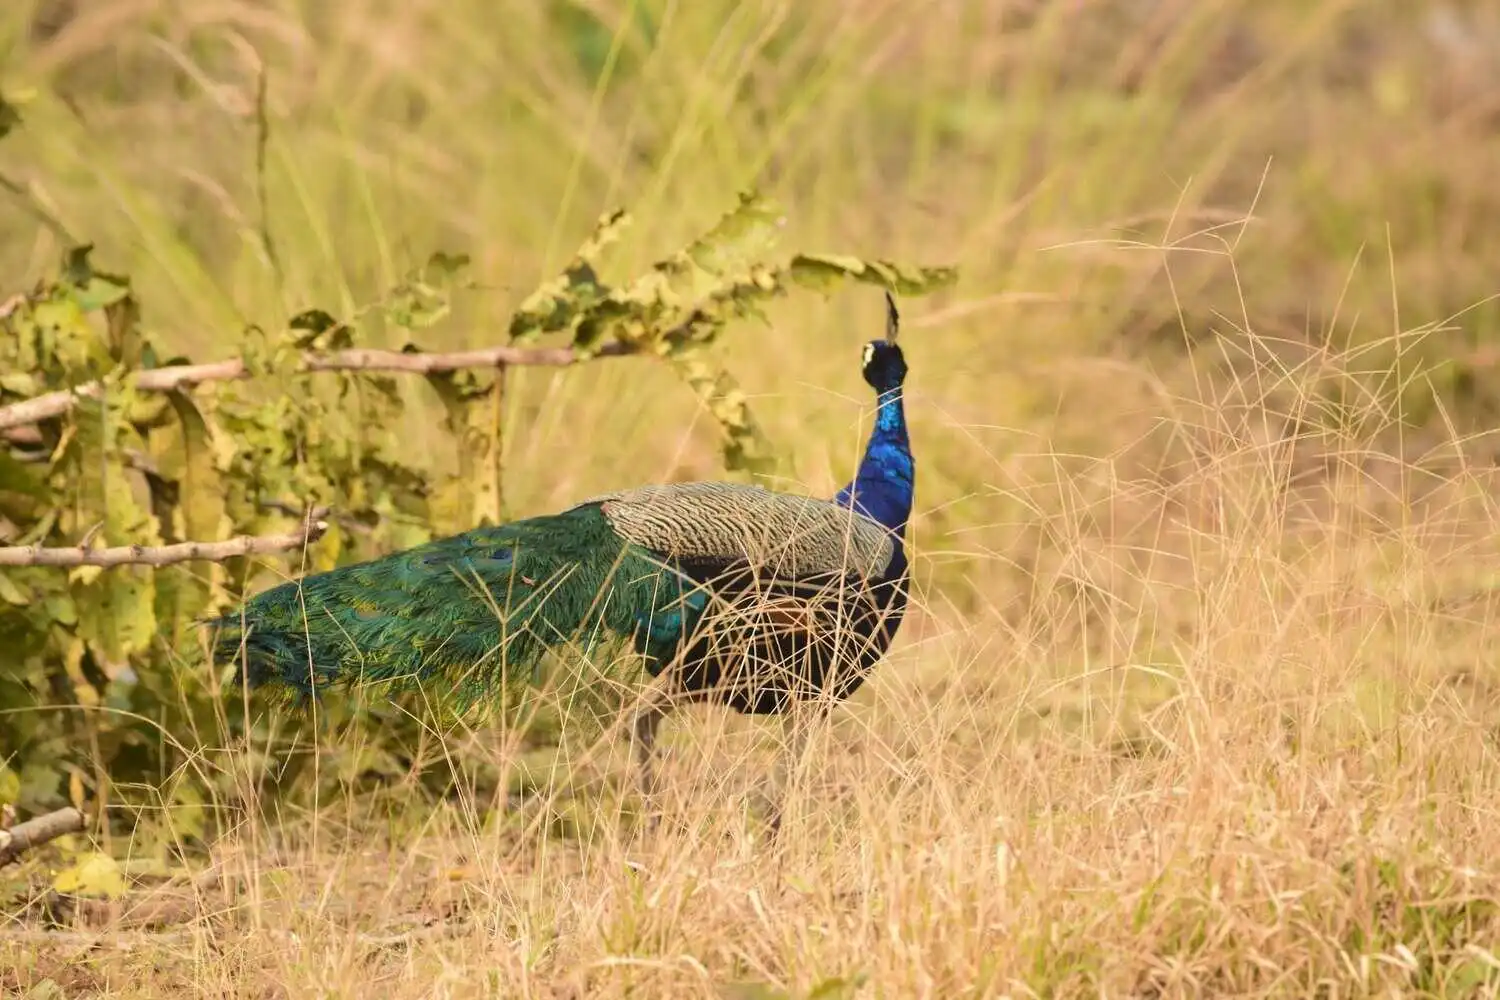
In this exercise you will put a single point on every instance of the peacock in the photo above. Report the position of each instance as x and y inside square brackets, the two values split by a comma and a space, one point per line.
[766, 602]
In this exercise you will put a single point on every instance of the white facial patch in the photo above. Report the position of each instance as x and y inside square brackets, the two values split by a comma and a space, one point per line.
[869, 353]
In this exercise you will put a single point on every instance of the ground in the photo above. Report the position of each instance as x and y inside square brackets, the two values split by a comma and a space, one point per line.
[1200, 696]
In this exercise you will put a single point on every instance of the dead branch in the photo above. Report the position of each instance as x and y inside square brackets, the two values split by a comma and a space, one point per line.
[166, 555]
[371, 360]
[35, 832]
[55, 404]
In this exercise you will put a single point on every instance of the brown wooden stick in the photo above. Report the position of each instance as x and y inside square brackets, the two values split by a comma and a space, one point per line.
[55, 404]
[35, 832]
[162, 555]
[372, 360]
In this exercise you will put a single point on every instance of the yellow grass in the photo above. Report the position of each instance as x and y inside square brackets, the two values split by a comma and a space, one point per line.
[1200, 697]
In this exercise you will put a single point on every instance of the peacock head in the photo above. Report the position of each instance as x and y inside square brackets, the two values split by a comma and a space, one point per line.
[884, 366]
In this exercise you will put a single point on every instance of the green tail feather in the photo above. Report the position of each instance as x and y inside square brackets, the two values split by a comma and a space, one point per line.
[478, 610]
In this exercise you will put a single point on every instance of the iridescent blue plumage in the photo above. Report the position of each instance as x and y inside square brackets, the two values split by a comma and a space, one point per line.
[884, 487]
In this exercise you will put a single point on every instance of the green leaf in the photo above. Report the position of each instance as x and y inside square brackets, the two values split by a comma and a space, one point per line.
[117, 613]
[201, 491]
[425, 297]
[68, 349]
[563, 303]
[196, 508]
[745, 448]
[23, 384]
[93, 874]
[319, 330]
[126, 342]
[116, 609]
[824, 271]
[836, 988]
[91, 289]
[12, 594]
[10, 786]
[739, 241]
[23, 488]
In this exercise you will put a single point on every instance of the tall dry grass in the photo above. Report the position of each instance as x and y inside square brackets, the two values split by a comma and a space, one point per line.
[1200, 698]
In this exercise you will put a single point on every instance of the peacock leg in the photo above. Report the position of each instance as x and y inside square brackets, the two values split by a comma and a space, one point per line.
[648, 719]
[797, 724]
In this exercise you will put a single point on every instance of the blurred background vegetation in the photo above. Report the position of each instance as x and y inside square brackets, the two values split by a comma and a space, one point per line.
[1154, 204]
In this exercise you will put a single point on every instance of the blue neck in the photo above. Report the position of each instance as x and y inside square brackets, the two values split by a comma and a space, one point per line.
[883, 486]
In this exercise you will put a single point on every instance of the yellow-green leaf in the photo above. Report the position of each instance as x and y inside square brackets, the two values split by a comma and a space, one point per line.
[117, 613]
[11, 593]
[746, 448]
[200, 489]
[93, 874]
[822, 271]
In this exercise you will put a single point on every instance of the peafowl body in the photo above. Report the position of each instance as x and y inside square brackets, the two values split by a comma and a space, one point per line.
[751, 598]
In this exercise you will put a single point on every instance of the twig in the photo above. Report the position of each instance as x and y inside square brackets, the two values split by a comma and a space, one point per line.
[35, 832]
[164, 555]
[342, 520]
[87, 540]
[55, 404]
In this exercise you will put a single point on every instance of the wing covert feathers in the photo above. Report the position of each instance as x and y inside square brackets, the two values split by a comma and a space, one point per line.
[791, 536]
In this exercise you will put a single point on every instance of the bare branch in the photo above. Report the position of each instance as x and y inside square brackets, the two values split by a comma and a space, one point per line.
[183, 376]
[165, 555]
[36, 832]
[371, 360]
[52, 404]
[55, 404]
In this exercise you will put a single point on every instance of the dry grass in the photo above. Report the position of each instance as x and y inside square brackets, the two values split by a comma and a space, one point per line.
[1201, 698]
